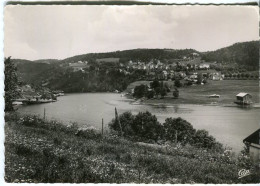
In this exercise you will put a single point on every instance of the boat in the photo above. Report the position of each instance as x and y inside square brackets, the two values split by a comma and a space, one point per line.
[35, 101]
[214, 96]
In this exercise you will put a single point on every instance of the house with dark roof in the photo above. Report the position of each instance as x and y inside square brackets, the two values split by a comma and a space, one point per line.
[254, 145]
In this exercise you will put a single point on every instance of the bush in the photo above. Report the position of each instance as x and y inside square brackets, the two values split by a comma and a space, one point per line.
[177, 83]
[178, 127]
[126, 120]
[146, 126]
[175, 93]
[202, 139]
[140, 91]
[143, 125]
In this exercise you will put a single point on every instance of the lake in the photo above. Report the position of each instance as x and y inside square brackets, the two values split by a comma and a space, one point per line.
[229, 125]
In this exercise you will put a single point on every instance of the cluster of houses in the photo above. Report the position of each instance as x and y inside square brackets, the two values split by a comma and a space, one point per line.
[185, 68]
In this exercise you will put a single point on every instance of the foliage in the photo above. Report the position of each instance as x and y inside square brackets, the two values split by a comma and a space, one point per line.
[163, 92]
[11, 84]
[202, 138]
[154, 84]
[143, 125]
[126, 119]
[178, 128]
[200, 78]
[245, 54]
[140, 91]
[39, 154]
[175, 93]
[177, 83]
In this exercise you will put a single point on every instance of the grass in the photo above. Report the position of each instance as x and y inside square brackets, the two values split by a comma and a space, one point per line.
[198, 94]
[38, 151]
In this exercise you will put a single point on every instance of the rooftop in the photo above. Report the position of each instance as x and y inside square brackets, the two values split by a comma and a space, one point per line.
[242, 94]
[253, 138]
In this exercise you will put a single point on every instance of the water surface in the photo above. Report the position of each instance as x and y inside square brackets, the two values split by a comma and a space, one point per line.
[229, 125]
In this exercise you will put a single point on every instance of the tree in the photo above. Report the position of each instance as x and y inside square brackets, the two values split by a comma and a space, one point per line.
[145, 125]
[177, 83]
[178, 127]
[157, 91]
[202, 139]
[150, 94]
[163, 92]
[175, 93]
[155, 84]
[11, 84]
[200, 78]
[140, 91]
[126, 119]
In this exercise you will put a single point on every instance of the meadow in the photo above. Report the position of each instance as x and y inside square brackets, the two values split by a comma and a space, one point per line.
[198, 94]
[40, 151]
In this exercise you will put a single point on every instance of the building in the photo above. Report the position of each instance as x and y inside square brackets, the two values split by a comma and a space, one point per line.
[79, 66]
[254, 145]
[243, 99]
[204, 66]
[216, 76]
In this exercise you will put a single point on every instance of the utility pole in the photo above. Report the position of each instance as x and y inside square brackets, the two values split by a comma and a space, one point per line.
[117, 119]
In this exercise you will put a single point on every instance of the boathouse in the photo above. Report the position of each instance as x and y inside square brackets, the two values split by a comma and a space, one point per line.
[254, 145]
[243, 98]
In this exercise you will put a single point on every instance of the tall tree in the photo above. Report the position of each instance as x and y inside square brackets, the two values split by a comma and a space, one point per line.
[11, 84]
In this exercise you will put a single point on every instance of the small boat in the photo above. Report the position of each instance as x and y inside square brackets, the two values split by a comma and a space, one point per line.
[34, 101]
[214, 96]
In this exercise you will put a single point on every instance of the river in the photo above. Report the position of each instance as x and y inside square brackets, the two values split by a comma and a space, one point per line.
[229, 125]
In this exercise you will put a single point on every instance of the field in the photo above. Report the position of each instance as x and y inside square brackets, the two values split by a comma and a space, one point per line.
[198, 94]
[39, 151]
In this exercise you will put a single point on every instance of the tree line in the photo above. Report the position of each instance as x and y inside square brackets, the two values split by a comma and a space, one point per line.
[145, 127]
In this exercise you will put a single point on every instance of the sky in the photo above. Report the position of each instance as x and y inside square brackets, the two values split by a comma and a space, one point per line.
[58, 32]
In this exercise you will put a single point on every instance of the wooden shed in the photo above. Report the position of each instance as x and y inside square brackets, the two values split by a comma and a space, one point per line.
[243, 99]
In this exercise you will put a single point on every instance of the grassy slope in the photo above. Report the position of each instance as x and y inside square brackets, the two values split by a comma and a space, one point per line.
[198, 94]
[41, 153]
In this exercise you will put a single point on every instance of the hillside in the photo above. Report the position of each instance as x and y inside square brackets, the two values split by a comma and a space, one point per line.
[245, 54]
[39, 151]
[56, 74]
[135, 54]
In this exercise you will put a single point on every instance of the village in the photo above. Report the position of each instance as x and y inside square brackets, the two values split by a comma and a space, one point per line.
[187, 68]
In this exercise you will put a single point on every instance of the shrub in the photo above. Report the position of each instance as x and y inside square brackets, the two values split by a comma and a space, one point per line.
[126, 120]
[178, 127]
[146, 126]
[202, 138]
[140, 91]
[177, 83]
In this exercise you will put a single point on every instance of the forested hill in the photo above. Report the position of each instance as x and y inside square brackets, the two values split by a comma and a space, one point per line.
[245, 54]
[134, 54]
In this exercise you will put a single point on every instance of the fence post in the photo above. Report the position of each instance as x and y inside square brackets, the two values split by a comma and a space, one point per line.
[102, 127]
[176, 136]
[44, 114]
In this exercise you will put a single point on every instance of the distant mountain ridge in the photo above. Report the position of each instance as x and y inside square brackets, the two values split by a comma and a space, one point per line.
[243, 53]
